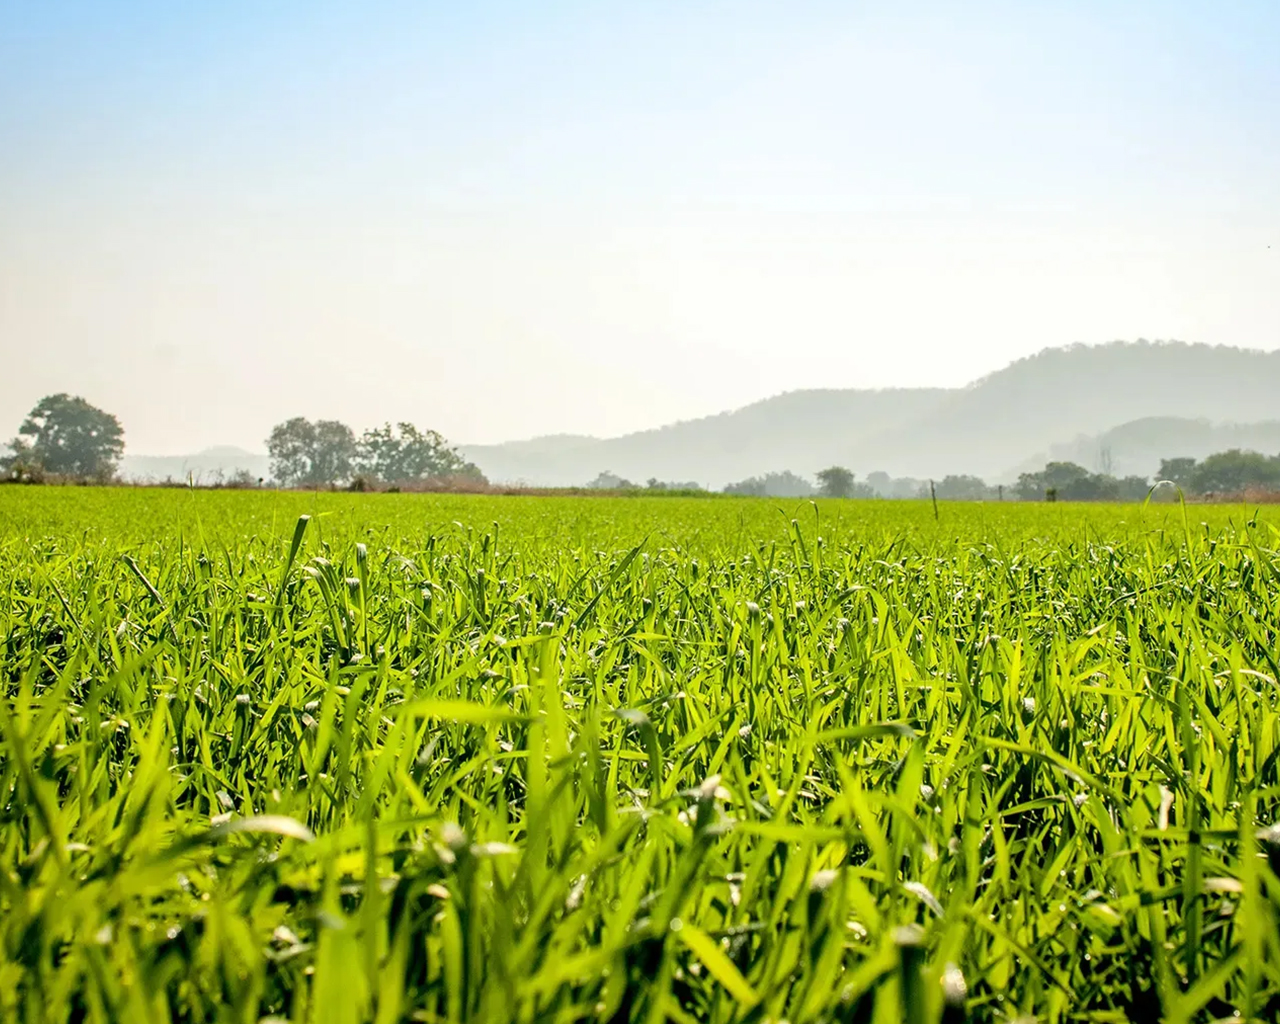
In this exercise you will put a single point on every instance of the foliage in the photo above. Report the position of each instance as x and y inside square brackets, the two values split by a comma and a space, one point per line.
[773, 485]
[1066, 481]
[19, 469]
[312, 454]
[1228, 472]
[881, 485]
[327, 452]
[65, 436]
[475, 759]
[835, 482]
[1132, 488]
[1177, 470]
[1234, 471]
[607, 481]
[405, 453]
[684, 486]
[240, 479]
[964, 488]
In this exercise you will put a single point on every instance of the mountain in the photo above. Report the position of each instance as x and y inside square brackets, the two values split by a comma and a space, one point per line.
[799, 430]
[990, 428]
[1020, 412]
[1127, 403]
[1138, 447]
[206, 467]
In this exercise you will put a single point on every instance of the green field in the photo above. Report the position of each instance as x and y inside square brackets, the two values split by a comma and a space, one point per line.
[488, 759]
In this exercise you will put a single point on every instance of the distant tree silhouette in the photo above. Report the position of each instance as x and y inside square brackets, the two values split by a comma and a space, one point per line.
[1233, 471]
[835, 482]
[404, 453]
[1177, 470]
[313, 454]
[607, 481]
[880, 485]
[963, 488]
[1067, 481]
[1134, 488]
[67, 436]
[773, 485]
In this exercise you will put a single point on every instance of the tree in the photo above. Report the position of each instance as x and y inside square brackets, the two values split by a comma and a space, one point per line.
[963, 488]
[835, 482]
[881, 485]
[335, 452]
[405, 453]
[309, 453]
[67, 436]
[1070, 482]
[1064, 479]
[1134, 488]
[1177, 471]
[773, 485]
[1233, 471]
[290, 446]
[608, 481]
[752, 486]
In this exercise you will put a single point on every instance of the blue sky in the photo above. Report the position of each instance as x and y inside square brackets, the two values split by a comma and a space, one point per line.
[599, 217]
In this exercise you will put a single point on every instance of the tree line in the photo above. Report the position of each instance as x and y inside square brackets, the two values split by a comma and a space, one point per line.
[1229, 472]
[65, 437]
[1232, 472]
[1225, 473]
[327, 452]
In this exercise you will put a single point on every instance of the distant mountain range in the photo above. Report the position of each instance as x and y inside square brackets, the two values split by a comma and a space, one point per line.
[1137, 448]
[802, 431]
[1122, 406]
[1056, 402]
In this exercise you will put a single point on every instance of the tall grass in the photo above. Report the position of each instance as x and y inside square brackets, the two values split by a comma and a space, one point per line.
[475, 759]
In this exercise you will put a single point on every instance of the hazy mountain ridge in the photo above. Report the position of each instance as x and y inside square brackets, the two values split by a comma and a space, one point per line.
[798, 430]
[1021, 415]
[1139, 446]
[1005, 418]
[1122, 405]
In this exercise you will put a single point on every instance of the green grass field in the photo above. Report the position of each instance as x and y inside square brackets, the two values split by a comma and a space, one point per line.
[539, 759]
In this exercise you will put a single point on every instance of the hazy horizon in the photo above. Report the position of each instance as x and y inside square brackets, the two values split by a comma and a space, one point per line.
[259, 449]
[505, 225]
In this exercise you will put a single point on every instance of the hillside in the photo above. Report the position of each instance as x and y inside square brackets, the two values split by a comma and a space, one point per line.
[1137, 402]
[1139, 446]
[800, 430]
[1025, 413]
[1021, 412]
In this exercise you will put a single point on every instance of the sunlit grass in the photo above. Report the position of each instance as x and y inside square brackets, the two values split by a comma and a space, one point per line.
[449, 758]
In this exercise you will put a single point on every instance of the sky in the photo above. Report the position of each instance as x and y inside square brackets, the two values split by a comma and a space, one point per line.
[504, 220]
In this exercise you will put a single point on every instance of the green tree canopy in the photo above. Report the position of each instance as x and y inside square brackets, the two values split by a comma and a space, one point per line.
[1234, 470]
[314, 454]
[404, 453]
[607, 481]
[959, 487]
[68, 436]
[1056, 477]
[835, 482]
[773, 485]
[1070, 482]
[1177, 470]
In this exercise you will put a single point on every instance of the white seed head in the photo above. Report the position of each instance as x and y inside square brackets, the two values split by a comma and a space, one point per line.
[954, 987]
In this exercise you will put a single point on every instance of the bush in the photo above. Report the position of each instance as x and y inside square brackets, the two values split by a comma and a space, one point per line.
[22, 472]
